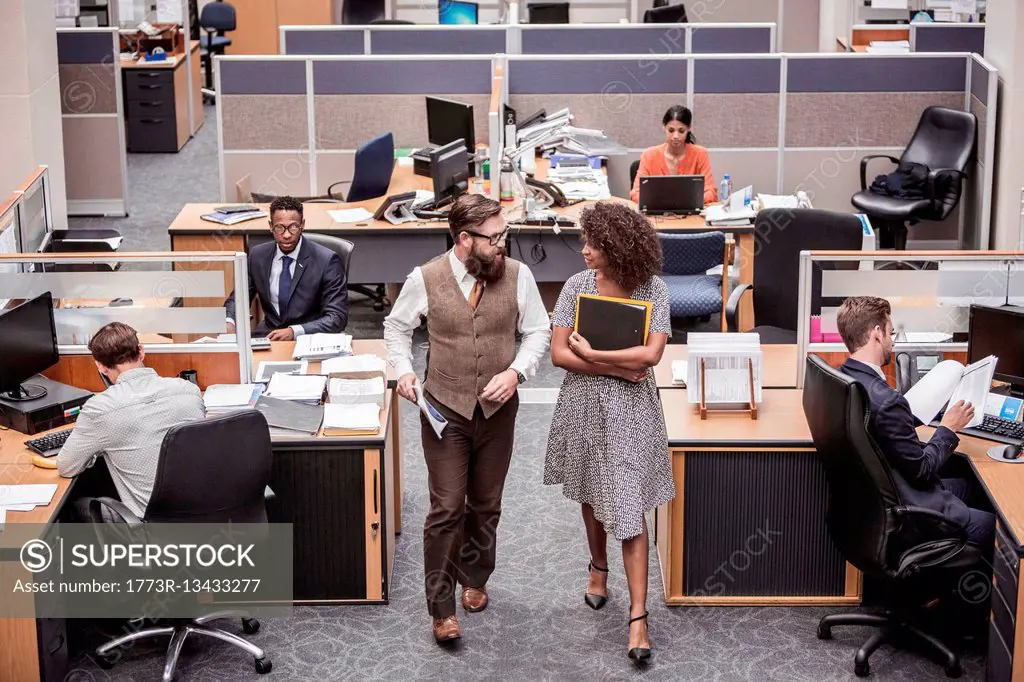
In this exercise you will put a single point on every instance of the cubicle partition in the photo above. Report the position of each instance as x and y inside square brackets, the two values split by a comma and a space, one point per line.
[933, 37]
[569, 39]
[92, 113]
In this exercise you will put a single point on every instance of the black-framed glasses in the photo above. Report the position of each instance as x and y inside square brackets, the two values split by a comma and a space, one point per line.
[294, 228]
[494, 239]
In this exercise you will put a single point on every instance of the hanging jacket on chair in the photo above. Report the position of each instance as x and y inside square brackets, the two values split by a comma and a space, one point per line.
[908, 181]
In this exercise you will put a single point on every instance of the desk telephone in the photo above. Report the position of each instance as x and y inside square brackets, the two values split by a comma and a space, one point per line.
[554, 194]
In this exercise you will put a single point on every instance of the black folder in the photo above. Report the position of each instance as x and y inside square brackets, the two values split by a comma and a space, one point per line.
[287, 414]
[612, 323]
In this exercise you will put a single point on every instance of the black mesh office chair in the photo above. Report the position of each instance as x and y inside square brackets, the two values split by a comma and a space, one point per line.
[944, 141]
[216, 19]
[214, 470]
[361, 12]
[780, 235]
[916, 553]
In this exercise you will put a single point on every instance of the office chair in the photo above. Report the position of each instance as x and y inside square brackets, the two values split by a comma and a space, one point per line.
[914, 552]
[780, 235]
[945, 142]
[361, 12]
[214, 470]
[548, 12]
[374, 163]
[686, 258]
[216, 19]
[666, 14]
[391, 22]
[634, 168]
[659, 3]
[342, 247]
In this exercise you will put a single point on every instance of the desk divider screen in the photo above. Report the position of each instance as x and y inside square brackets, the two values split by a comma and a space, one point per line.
[92, 113]
[930, 37]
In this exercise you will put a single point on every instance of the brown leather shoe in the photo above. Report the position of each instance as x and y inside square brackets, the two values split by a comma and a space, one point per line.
[446, 629]
[474, 599]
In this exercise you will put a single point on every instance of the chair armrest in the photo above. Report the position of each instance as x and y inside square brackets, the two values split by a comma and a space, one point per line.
[864, 167]
[934, 175]
[268, 494]
[948, 541]
[330, 190]
[118, 508]
[930, 517]
[732, 307]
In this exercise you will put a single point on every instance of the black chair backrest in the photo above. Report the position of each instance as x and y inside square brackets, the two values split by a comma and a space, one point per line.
[392, 22]
[218, 16]
[861, 490]
[634, 168]
[362, 11]
[944, 138]
[213, 470]
[780, 235]
[342, 247]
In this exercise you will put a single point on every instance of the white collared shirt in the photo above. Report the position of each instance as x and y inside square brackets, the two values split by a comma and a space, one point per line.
[411, 306]
[878, 370]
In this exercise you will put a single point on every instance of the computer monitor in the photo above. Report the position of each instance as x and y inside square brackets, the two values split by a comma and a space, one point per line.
[449, 120]
[449, 170]
[660, 3]
[1000, 332]
[669, 14]
[548, 13]
[28, 345]
[457, 12]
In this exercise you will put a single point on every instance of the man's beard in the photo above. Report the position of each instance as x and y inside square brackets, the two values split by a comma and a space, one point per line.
[886, 357]
[485, 270]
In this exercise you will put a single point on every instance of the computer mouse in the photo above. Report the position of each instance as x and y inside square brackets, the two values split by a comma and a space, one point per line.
[1013, 451]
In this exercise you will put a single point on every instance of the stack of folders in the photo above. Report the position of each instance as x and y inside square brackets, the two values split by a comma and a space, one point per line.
[224, 398]
[726, 361]
[351, 420]
[609, 323]
[299, 388]
[269, 368]
[362, 366]
[322, 346]
[357, 391]
[288, 418]
[232, 215]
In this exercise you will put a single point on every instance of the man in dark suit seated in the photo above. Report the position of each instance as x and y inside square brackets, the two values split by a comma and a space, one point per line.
[866, 328]
[301, 285]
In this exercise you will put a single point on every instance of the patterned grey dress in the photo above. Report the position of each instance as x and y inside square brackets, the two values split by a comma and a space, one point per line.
[607, 446]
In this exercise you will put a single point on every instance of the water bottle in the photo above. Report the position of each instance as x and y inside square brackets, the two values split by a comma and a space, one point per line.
[726, 189]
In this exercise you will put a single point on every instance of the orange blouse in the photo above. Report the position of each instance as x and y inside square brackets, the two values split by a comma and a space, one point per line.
[695, 161]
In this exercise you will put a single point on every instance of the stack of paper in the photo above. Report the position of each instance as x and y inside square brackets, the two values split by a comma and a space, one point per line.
[322, 346]
[722, 216]
[581, 183]
[889, 47]
[25, 496]
[357, 391]
[301, 388]
[350, 215]
[354, 366]
[268, 369]
[222, 398]
[679, 372]
[222, 218]
[726, 361]
[349, 420]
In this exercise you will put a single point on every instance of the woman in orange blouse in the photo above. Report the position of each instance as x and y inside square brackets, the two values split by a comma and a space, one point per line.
[678, 156]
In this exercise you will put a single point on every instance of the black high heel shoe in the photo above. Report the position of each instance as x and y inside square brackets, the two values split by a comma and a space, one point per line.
[595, 601]
[639, 654]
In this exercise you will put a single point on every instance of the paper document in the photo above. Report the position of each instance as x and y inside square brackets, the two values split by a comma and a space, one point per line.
[350, 215]
[26, 495]
[354, 364]
[268, 369]
[364, 417]
[679, 372]
[357, 391]
[322, 346]
[228, 395]
[727, 360]
[113, 242]
[437, 422]
[950, 382]
[307, 388]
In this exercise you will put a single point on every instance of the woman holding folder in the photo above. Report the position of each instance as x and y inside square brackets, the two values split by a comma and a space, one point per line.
[608, 447]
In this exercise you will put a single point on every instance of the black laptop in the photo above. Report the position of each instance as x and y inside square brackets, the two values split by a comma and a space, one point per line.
[676, 194]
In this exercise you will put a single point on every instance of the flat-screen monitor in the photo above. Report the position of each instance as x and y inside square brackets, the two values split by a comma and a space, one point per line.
[28, 345]
[449, 169]
[999, 332]
[669, 14]
[548, 13]
[457, 12]
[449, 120]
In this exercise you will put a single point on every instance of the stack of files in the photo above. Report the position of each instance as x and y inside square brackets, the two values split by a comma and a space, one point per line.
[300, 388]
[269, 368]
[322, 346]
[287, 418]
[363, 366]
[529, 135]
[581, 183]
[727, 370]
[357, 391]
[351, 420]
[223, 398]
[721, 216]
[232, 215]
[889, 47]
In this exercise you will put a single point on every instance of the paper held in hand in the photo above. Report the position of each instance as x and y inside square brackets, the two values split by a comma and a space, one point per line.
[950, 382]
[437, 422]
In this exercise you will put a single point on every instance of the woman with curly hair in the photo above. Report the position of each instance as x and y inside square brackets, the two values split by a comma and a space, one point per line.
[608, 447]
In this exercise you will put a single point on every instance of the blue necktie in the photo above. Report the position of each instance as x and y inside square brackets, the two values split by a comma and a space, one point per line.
[284, 286]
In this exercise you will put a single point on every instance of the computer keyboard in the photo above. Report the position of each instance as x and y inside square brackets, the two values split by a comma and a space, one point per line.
[545, 222]
[49, 443]
[998, 429]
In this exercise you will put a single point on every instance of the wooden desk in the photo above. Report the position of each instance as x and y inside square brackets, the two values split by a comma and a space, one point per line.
[158, 100]
[778, 365]
[747, 525]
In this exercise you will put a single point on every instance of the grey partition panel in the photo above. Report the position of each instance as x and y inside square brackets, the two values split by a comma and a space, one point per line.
[734, 40]
[949, 38]
[604, 40]
[402, 77]
[737, 75]
[324, 42]
[84, 48]
[612, 77]
[979, 82]
[437, 41]
[857, 73]
[262, 77]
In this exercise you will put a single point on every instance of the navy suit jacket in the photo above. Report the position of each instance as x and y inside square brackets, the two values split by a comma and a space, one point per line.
[915, 465]
[319, 298]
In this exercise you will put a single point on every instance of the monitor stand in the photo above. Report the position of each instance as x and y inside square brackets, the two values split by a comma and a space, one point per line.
[24, 392]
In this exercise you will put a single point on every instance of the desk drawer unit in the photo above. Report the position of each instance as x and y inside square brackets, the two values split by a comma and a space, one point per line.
[1002, 636]
[151, 110]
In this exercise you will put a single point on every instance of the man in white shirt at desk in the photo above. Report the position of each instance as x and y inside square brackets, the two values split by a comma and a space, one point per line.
[126, 423]
[475, 300]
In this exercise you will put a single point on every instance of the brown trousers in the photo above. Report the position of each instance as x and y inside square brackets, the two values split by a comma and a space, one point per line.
[466, 472]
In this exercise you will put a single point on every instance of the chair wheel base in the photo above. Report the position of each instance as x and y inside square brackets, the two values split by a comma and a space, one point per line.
[263, 665]
[862, 669]
[954, 671]
[824, 631]
[378, 306]
[250, 626]
[106, 662]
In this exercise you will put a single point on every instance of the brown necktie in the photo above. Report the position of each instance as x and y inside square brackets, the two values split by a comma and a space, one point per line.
[475, 294]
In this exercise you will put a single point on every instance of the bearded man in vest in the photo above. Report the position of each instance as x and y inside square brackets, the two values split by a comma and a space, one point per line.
[475, 300]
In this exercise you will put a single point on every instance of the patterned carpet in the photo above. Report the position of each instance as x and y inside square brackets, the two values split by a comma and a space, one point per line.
[537, 627]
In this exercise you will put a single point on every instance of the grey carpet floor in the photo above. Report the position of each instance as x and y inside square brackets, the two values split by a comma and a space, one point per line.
[537, 627]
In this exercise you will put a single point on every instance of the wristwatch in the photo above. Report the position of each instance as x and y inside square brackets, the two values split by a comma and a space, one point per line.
[522, 377]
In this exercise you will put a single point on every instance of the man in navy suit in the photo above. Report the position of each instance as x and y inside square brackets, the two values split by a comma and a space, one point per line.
[866, 328]
[301, 285]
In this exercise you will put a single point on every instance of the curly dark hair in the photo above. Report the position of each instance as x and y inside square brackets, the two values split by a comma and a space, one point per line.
[285, 203]
[627, 240]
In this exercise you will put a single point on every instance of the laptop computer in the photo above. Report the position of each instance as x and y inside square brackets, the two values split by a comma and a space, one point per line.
[678, 194]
